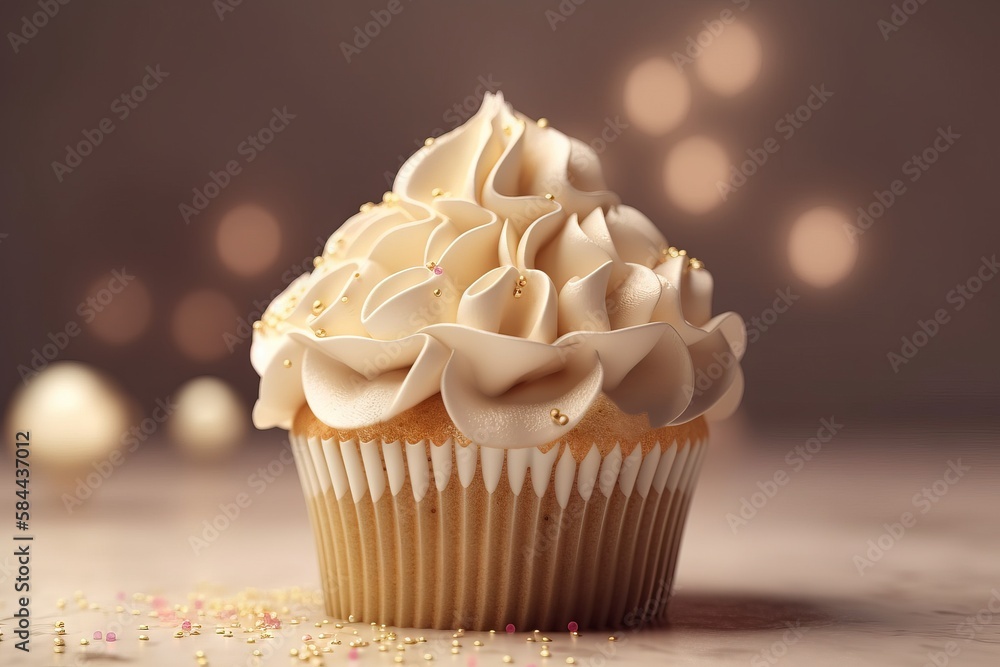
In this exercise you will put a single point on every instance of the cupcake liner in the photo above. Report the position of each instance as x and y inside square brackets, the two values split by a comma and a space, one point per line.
[452, 536]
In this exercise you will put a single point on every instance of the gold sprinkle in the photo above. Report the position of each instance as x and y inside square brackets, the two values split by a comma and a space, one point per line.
[199, 654]
[612, 638]
[571, 661]
[493, 632]
[428, 141]
[294, 652]
[367, 206]
[343, 299]
[437, 292]
[60, 603]
[696, 263]
[58, 649]
[317, 306]
[357, 276]
[545, 653]
[398, 658]
[422, 640]
[320, 333]
[672, 251]
[428, 656]
[317, 261]
[549, 196]
[522, 281]
[251, 640]
[455, 650]
[507, 130]
[287, 363]
[388, 198]
[542, 122]
[60, 624]
[682, 253]
[84, 642]
[256, 326]
[529, 639]
[143, 638]
[508, 659]
[546, 639]
[477, 643]
[257, 653]
[437, 192]
[518, 292]
[455, 642]
[59, 641]
[178, 634]
[146, 627]
[430, 265]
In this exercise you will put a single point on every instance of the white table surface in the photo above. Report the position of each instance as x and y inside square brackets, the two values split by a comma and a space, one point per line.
[783, 589]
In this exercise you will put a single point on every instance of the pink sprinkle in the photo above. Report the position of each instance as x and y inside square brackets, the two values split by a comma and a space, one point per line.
[438, 270]
[121, 595]
[111, 637]
[98, 636]
[199, 604]
[353, 654]
[307, 638]
[186, 625]
[472, 661]
[510, 628]
[159, 602]
[572, 627]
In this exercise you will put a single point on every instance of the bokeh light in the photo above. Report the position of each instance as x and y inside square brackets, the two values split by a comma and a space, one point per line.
[117, 314]
[732, 62]
[248, 240]
[657, 96]
[820, 250]
[200, 322]
[75, 415]
[209, 420]
[692, 173]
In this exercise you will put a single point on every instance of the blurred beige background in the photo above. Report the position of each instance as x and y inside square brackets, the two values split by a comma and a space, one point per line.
[222, 75]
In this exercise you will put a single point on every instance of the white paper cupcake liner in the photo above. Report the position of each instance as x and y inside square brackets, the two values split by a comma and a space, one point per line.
[446, 536]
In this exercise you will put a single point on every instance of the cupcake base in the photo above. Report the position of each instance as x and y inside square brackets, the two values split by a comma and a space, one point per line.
[458, 536]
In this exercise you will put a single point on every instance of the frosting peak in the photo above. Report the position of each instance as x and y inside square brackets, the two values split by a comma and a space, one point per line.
[500, 273]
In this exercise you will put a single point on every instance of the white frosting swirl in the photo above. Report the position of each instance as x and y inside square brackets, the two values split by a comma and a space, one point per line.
[500, 273]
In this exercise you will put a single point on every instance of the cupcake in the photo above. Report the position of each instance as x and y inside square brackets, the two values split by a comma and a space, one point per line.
[496, 383]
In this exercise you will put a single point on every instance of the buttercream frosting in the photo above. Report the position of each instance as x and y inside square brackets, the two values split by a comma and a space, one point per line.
[502, 274]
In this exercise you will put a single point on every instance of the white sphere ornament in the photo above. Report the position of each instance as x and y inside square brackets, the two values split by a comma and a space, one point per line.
[75, 415]
[209, 420]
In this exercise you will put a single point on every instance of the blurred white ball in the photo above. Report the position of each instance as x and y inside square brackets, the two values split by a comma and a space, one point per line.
[76, 416]
[209, 419]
